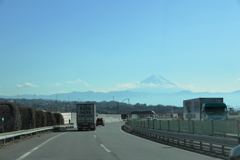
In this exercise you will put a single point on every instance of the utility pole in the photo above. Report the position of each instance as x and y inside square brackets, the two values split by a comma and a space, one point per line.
[128, 101]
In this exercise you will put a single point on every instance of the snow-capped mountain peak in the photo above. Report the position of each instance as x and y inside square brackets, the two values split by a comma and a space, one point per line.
[158, 80]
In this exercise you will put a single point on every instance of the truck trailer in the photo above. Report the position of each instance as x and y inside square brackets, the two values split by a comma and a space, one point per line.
[86, 116]
[204, 109]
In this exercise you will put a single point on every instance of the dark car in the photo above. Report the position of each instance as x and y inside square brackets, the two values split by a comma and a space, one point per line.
[100, 121]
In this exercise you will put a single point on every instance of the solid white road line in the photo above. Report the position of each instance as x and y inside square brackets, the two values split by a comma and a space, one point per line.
[29, 152]
[105, 148]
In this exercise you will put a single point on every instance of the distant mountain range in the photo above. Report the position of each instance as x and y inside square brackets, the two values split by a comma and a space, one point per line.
[153, 90]
[232, 98]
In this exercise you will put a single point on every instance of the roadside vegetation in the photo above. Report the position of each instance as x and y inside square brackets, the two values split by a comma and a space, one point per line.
[14, 117]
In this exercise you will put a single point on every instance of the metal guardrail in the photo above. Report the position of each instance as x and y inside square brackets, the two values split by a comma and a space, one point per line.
[186, 138]
[11, 136]
[226, 128]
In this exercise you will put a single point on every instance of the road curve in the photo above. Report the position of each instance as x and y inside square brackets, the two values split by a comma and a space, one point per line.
[108, 142]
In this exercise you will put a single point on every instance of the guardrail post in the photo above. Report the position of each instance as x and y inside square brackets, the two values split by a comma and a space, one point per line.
[212, 127]
[238, 127]
[192, 127]
[189, 131]
[160, 125]
[210, 147]
[191, 143]
[168, 126]
[178, 126]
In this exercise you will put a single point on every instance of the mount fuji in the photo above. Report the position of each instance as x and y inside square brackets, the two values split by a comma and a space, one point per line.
[157, 84]
[157, 80]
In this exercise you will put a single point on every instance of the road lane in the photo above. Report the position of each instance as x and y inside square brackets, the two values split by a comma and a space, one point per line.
[106, 143]
[34, 149]
[129, 147]
[16, 150]
[72, 145]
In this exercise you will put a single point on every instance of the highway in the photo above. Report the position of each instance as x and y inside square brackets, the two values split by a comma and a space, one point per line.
[108, 142]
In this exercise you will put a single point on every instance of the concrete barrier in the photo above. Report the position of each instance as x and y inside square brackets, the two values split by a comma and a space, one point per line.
[69, 116]
[109, 118]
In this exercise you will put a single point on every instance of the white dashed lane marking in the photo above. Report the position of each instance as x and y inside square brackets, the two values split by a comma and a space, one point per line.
[105, 148]
[29, 152]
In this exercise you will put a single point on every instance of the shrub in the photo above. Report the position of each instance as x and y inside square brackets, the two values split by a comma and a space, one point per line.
[11, 115]
[41, 120]
[19, 117]
[32, 117]
[59, 118]
[28, 117]
[51, 121]
[4, 113]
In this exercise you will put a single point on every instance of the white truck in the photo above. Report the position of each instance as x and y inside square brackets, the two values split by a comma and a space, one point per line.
[204, 109]
[86, 116]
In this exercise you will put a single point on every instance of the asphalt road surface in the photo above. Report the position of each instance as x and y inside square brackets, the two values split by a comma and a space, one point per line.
[108, 142]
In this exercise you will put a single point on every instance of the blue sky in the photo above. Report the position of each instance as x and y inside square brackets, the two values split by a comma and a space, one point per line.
[56, 46]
